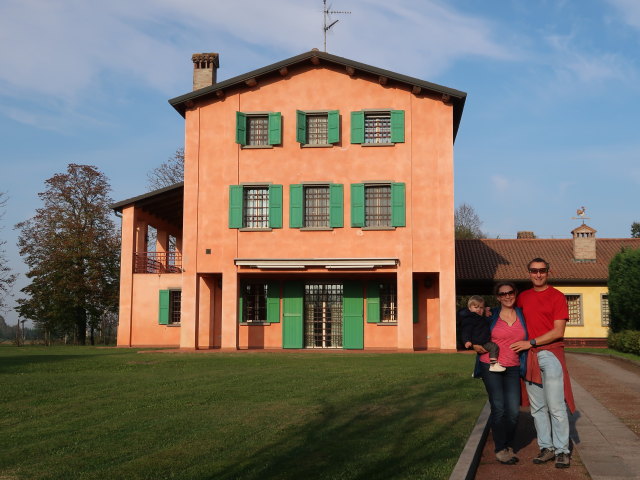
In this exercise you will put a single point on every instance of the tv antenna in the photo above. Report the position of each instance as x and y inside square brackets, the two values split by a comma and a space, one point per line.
[328, 12]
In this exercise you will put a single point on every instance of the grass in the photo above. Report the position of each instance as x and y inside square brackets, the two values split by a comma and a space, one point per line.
[87, 413]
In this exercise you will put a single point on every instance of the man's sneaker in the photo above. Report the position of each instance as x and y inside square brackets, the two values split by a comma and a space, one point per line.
[496, 367]
[505, 457]
[545, 455]
[562, 460]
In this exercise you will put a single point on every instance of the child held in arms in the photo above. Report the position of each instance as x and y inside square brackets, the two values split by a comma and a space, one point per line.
[475, 331]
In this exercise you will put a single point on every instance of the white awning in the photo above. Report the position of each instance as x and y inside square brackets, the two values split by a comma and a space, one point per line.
[328, 263]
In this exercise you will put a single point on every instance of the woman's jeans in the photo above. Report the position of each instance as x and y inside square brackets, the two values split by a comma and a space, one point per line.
[548, 409]
[504, 396]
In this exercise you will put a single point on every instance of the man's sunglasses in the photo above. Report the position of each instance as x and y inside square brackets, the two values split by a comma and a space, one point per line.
[504, 294]
[538, 270]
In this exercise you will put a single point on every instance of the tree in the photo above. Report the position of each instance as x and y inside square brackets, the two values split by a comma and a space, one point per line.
[467, 223]
[7, 278]
[71, 248]
[635, 230]
[168, 173]
[624, 290]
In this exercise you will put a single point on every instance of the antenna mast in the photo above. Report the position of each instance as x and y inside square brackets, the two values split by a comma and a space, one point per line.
[327, 12]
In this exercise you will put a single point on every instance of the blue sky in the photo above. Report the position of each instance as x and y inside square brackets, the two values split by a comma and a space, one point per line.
[550, 122]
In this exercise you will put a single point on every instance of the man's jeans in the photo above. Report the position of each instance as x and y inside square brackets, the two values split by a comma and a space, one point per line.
[548, 409]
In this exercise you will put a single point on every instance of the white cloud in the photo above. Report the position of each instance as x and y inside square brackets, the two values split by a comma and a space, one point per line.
[629, 11]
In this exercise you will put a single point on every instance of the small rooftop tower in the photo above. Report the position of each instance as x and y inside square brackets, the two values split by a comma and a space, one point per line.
[584, 243]
[205, 67]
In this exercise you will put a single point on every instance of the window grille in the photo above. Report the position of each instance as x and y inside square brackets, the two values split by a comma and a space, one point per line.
[604, 310]
[575, 309]
[256, 207]
[377, 128]
[317, 129]
[257, 130]
[316, 206]
[175, 297]
[388, 303]
[377, 205]
[254, 303]
[323, 316]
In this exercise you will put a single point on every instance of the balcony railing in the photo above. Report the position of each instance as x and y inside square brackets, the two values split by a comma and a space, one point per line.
[158, 262]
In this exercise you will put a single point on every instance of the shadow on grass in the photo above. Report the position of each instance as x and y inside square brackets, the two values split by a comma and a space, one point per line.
[9, 363]
[411, 434]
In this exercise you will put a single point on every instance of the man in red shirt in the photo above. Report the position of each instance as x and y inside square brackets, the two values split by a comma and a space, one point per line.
[547, 380]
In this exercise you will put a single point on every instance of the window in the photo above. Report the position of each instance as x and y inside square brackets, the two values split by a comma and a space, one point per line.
[259, 303]
[317, 128]
[575, 310]
[378, 205]
[258, 129]
[382, 302]
[317, 206]
[605, 314]
[169, 307]
[382, 127]
[256, 207]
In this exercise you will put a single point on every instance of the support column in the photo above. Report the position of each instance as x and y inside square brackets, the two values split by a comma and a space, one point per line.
[448, 310]
[189, 311]
[128, 239]
[229, 311]
[405, 309]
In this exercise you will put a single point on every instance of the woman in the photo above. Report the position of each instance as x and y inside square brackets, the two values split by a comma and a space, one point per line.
[507, 326]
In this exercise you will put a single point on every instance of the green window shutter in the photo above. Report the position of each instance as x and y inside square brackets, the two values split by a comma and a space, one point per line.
[397, 126]
[416, 304]
[352, 316]
[336, 210]
[273, 302]
[163, 308]
[275, 128]
[357, 127]
[275, 206]
[301, 127]
[292, 324]
[333, 126]
[373, 302]
[296, 201]
[241, 128]
[235, 206]
[398, 216]
[357, 204]
[241, 304]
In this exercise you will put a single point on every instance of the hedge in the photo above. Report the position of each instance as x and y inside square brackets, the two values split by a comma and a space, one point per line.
[625, 341]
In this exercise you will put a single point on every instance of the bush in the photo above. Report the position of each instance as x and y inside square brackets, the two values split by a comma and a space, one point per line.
[624, 290]
[627, 341]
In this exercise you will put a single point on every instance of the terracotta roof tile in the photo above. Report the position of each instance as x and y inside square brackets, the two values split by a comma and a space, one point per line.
[498, 259]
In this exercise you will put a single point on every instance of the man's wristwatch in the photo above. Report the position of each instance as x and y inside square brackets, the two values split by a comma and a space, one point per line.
[532, 342]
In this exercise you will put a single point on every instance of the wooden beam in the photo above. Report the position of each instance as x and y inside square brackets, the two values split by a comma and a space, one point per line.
[220, 93]
[189, 104]
[416, 90]
[350, 71]
[445, 98]
[252, 82]
[382, 80]
[284, 71]
[315, 60]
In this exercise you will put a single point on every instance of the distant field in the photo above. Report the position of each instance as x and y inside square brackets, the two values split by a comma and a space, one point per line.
[92, 413]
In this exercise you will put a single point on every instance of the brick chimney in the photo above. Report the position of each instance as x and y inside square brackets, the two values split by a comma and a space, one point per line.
[205, 66]
[526, 234]
[584, 243]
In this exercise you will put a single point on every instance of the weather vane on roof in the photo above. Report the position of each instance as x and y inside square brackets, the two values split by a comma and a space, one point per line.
[581, 212]
[327, 12]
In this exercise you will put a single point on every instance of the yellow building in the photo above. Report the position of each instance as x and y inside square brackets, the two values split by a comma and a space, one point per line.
[579, 268]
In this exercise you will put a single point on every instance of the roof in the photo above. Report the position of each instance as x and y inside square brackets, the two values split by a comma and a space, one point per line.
[456, 97]
[165, 203]
[502, 259]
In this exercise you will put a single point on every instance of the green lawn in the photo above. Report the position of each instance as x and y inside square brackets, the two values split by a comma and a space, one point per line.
[88, 413]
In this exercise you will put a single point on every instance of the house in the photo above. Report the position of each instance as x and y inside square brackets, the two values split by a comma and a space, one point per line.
[316, 212]
[579, 268]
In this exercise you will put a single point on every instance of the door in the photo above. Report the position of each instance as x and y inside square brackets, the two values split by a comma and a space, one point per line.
[323, 315]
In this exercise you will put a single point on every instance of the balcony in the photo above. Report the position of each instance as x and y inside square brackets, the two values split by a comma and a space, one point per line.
[157, 262]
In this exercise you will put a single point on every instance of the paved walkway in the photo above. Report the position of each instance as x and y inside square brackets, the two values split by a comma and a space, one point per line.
[604, 445]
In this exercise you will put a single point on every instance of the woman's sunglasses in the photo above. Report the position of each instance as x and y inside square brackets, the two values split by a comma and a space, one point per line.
[504, 294]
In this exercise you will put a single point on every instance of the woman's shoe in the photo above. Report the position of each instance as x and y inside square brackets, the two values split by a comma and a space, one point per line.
[505, 457]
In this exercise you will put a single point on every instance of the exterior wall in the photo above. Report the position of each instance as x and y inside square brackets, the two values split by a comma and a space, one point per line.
[424, 162]
[591, 311]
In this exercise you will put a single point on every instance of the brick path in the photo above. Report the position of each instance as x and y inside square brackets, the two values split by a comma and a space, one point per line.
[616, 385]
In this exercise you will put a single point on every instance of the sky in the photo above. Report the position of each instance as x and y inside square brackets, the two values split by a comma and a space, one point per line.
[550, 123]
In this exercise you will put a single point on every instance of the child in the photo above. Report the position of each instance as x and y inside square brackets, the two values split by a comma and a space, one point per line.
[475, 331]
